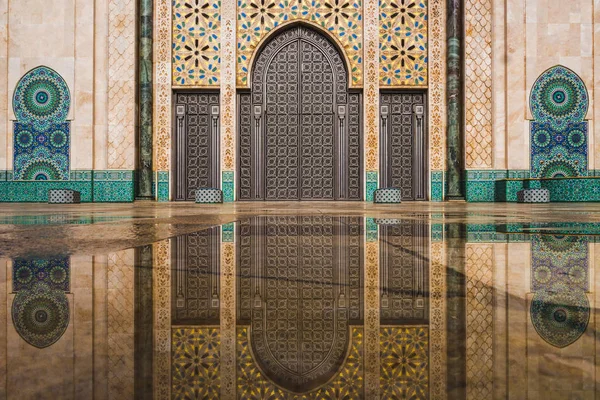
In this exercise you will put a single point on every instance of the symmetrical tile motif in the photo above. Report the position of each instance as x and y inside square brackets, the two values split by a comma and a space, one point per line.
[121, 310]
[480, 321]
[42, 134]
[403, 42]
[252, 384]
[404, 363]
[559, 103]
[162, 83]
[196, 363]
[437, 84]
[478, 83]
[257, 18]
[228, 99]
[371, 97]
[372, 311]
[196, 42]
[121, 84]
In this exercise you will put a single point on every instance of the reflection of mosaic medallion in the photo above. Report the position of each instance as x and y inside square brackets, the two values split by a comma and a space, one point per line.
[578, 276]
[559, 243]
[559, 96]
[542, 275]
[41, 97]
[560, 317]
[40, 315]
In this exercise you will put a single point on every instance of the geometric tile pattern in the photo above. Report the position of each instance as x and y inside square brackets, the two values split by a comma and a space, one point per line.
[437, 84]
[480, 313]
[388, 195]
[559, 103]
[63, 196]
[347, 384]
[42, 140]
[403, 42]
[196, 42]
[208, 195]
[121, 101]
[533, 196]
[404, 363]
[196, 363]
[342, 18]
[478, 83]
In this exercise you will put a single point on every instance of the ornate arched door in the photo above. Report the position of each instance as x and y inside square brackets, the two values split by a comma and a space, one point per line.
[300, 126]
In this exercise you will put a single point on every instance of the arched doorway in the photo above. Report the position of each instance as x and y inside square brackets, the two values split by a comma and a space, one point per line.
[300, 130]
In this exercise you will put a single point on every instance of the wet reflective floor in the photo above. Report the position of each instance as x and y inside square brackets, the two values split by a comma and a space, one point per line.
[321, 306]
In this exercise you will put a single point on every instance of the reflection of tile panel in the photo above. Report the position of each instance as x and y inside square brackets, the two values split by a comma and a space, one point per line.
[196, 363]
[480, 314]
[54, 271]
[404, 363]
[120, 299]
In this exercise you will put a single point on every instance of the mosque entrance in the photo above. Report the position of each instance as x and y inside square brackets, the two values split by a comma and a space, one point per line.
[299, 126]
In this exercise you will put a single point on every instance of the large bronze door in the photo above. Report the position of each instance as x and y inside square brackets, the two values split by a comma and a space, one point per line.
[299, 126]
[196, 143]
[404, 144]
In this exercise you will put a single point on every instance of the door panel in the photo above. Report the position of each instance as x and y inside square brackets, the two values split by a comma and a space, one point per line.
[196, 164]
[403, 144]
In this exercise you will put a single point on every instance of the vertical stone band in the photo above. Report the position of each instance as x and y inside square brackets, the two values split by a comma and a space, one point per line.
[145, 99]
[454, 114]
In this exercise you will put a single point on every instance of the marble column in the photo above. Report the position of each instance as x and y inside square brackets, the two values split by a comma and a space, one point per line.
[455, 136]
[456, 311]
[145, 99]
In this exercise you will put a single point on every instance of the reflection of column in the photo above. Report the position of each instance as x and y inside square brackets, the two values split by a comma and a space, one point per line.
[228, 123]
[228, 313]
[120, 302]
[161, 281]
[479, 315]
[455, 305]
[437, 343]
[143, 323]
[100, 327]
[371, 344]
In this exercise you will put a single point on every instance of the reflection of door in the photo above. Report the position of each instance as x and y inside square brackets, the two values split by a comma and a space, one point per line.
[299, 128]
[404, 144]
[196, 143]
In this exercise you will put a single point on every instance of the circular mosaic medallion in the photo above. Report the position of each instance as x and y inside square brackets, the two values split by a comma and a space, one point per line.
[58, 139]
[576, 138]
[541, 138]
[40, 315]
[41, 170]
[25, 138]
[559, 96]
[560, 316]
[41, 97]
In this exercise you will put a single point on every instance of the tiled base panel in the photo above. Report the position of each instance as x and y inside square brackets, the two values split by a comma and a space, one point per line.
[95, 186]
[502, 186]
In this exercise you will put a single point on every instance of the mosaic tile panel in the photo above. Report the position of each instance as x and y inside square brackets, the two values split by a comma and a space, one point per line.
[348, 383]
[342, 18]
[559, 103]
[41, 132]
[403, 52]
[113, 186]
[228, 186]
[478, 83]
[437, 84]
[437, 186]
[196, 363]
[404, 363]
[162, 183]
[196, 42]
[163, 43]
[559, 260]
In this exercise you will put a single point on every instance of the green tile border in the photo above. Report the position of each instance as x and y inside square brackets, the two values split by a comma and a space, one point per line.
[106, 186]
[162, 186]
